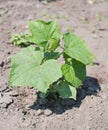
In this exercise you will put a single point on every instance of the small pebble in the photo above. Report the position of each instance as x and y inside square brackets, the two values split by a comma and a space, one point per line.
[48, 112]
[13, 93]
[3, 105]
[39, 112]
[5, 100]
[4, 88]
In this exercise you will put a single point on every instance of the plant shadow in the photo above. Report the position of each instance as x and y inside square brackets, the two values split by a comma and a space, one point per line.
[90, 87]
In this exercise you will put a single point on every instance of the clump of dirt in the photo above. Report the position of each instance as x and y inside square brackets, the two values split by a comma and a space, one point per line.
[21, 108]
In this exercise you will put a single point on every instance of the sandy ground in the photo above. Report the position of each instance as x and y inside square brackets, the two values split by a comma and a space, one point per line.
[20, 108]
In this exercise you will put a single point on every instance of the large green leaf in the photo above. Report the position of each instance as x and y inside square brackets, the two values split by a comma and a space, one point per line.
[27, 70]
[45, 34]
[76, 48]
[66, 91]
[74, 73]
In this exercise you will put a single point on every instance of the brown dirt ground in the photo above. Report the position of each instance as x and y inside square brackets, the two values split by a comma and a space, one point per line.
[20, 108]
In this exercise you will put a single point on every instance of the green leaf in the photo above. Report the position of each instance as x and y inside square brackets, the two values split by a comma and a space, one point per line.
[67, 58]
[21, 39]
[45, 34]
[74, 73]
[27, 70]
[66, 91]
[1, 12]
[76, 48]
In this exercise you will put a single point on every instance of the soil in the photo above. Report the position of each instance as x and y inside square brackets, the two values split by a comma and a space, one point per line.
[20, 108]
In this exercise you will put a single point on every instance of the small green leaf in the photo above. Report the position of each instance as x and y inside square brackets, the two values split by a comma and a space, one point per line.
[67, 59]
[45, 34]
[21, 39]
[27, 70]
[74, 73]
[66, 91]
[76, 48]
[1, 12]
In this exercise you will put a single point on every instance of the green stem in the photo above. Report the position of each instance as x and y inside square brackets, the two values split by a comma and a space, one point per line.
[61, 53]
[53, 92]
[51, 52]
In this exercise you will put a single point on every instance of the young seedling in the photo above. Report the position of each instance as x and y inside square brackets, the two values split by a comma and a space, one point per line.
[38, 66]
[1, 12]
[99, 17]
[21, 39]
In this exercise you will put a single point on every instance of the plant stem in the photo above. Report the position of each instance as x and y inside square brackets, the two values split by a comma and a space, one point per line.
[53, 92]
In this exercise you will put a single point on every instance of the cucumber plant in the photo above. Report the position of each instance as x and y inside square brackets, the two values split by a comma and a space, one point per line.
[37, 65]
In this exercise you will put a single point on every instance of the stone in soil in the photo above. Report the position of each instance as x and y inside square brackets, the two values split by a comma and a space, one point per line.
[13, 93]
[39, 112]
[5, 101]
[5, 87]
[48, 112]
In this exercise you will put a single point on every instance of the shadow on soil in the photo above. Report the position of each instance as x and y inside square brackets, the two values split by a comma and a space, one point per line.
[90, 87]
